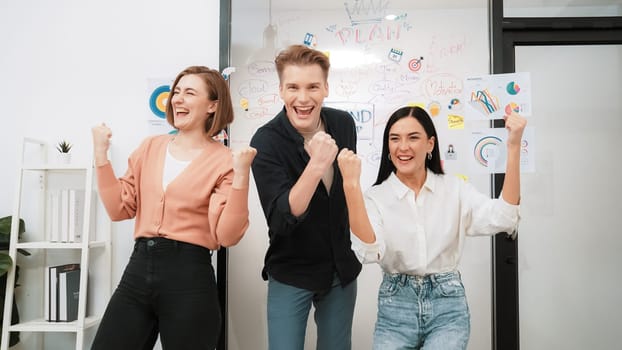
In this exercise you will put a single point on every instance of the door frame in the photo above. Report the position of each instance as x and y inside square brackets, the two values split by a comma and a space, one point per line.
[222, 255]
[505, 34]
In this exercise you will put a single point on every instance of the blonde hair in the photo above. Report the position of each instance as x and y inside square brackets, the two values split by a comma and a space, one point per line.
[300, 55]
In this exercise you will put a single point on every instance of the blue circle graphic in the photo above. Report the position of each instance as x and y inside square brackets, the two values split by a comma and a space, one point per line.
[156, 99]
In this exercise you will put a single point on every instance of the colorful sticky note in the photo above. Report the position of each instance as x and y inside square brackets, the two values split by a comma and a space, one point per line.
[455, 122]
[244, 104]
[463, 177]
[416, 104]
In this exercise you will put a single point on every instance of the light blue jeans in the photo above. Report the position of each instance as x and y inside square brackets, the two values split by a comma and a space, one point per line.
[422, 312]
[288, 311]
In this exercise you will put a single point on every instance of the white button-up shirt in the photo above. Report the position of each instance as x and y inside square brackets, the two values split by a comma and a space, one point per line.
[425, 235]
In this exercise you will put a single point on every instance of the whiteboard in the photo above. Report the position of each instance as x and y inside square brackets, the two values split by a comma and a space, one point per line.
[422, 57]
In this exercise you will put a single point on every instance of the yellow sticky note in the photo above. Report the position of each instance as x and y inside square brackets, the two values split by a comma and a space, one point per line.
[463, 177]
[416, 104]
[455, 122]
[244, 104]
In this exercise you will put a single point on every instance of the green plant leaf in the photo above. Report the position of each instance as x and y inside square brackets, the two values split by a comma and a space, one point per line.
[64, 146]
[5, 226]
[5, 231]
[5, 263]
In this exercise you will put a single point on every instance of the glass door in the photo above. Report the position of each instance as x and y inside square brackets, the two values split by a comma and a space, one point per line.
[569, 247]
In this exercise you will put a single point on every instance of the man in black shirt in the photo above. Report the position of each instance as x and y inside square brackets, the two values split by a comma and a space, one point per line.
[309, 260]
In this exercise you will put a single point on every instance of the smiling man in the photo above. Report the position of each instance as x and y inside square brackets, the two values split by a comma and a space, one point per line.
[309, 260]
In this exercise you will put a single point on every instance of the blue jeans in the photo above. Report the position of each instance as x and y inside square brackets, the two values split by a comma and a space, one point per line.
[288, 311]
[422, 312]
[168, 288]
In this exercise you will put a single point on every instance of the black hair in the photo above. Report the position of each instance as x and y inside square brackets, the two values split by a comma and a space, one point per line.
[386, 165]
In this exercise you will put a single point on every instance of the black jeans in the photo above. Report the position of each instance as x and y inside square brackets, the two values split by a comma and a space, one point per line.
[168, 288]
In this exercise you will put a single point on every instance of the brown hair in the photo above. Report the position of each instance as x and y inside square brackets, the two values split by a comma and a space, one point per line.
[217, 90]
[300, 55]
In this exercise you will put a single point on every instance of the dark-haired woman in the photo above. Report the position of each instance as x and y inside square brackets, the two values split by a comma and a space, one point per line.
[413, 222]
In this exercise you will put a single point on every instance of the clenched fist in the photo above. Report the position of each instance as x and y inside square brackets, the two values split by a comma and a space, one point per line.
[243, 158]
[322, 149]
[101, 143]
[515, 125]
[350, 166]
[101, 138]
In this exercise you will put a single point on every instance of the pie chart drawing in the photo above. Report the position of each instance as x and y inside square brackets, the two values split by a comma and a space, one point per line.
[512, 107]
[488, 149]
[512, 88]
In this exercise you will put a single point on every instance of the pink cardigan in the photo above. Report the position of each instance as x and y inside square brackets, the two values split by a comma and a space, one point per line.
[199, 205]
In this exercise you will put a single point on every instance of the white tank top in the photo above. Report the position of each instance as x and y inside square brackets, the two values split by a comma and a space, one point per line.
[172, 168]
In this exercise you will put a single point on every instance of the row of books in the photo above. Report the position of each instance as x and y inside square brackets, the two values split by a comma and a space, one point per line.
[62, 291]
[65, 211]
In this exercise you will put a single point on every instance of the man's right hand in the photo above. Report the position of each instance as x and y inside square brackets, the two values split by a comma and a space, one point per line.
[322, 149]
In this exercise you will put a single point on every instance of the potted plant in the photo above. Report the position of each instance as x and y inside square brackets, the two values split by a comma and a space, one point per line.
[63, 147]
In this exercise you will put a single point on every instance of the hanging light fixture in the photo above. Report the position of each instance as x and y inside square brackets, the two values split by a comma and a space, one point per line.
[268, 50]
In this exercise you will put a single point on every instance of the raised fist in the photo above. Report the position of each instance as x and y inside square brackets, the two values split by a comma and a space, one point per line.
[322, 149]
[243, 158]
[101, 138]
[349, 165]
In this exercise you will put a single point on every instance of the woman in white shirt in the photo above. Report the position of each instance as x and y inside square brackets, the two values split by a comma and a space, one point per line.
[413, 222]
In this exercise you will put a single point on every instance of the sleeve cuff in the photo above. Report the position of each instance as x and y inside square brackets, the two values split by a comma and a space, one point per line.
[238, 200]
[367, 252]
[511, 212]
[282, 206]
[105, 175]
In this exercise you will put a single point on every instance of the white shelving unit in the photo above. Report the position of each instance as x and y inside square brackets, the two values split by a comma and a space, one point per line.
[36, 176]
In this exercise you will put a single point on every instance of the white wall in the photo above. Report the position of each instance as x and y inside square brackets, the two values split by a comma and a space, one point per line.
[67, 65]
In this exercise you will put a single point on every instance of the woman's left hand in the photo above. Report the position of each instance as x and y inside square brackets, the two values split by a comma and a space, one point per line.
[515, 125]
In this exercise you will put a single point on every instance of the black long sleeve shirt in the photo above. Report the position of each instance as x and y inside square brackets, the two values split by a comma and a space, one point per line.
[307, 250]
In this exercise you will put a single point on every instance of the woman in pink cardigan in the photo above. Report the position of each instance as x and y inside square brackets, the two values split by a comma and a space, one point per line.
[188, 195]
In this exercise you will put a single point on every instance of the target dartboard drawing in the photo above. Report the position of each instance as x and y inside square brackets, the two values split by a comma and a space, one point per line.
[415, 64]
[157, 101]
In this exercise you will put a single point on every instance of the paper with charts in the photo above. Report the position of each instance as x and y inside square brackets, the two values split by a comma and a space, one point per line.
[489, 151]
[493, 96]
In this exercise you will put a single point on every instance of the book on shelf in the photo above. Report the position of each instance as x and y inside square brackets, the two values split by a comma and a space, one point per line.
[50, 294]
[53, 210]
[64, 215]
[46, 296]
[62, 291]
[76, 215]
[68, 294]
[65, 210]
